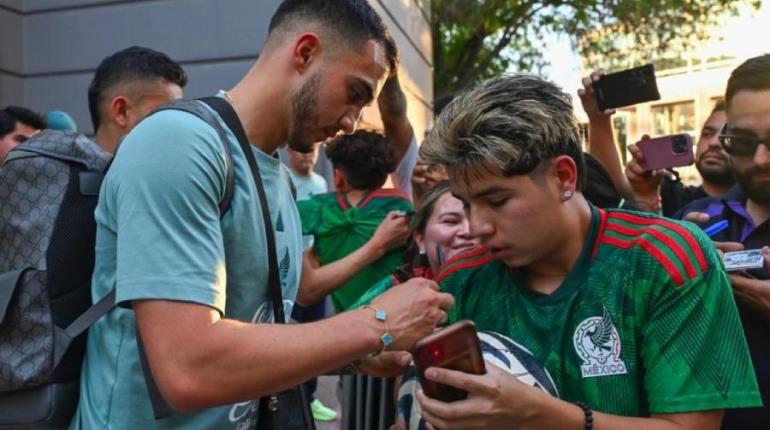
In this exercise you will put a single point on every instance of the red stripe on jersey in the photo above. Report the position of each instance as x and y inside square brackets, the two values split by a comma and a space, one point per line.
[655, 252]
[385, 192]
[671, 243]
[602, 224]
[473, 252]
[464, 265]
[459, 258]
[341, 201]
[688, 237]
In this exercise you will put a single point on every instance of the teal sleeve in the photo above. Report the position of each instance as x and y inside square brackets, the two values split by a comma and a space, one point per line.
[694, 350]
[377, 289]
[165, 184]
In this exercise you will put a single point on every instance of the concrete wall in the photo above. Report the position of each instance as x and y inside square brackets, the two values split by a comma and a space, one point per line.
[11, 60]
[409, 22]
[50, 48]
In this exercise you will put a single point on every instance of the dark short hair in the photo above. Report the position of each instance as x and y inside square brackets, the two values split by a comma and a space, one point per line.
[440, 103]
[27, 117]
[353, 21]
[364, 157]
[753, 75]
[7, 123]
[130, 64]
[598, 187]
[719, 106]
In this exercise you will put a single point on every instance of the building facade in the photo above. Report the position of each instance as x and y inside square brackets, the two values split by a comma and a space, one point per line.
[50, 48]
[691, 85]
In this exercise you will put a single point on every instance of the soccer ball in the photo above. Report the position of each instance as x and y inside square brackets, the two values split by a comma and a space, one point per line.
[496, 349]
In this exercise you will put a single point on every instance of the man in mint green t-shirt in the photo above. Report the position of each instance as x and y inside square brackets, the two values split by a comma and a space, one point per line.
[195, 285]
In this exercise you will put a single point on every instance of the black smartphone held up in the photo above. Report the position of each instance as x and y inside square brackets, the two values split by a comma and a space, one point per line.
[665, 152]
[455, 347]
[626, 88]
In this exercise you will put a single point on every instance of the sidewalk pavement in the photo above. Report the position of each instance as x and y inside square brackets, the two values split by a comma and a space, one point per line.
[327, 393]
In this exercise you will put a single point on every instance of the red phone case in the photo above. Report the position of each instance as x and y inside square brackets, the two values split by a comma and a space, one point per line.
[666, 151]
[455, 347]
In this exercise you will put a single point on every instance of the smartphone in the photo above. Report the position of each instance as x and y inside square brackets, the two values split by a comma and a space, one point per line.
[626, 88]
[743, 260]
[455, 347]
[665, 152]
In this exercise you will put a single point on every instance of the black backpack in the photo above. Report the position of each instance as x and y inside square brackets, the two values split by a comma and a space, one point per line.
[49, 188]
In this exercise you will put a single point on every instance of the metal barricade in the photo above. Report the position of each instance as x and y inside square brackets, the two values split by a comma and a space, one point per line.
[367, 403]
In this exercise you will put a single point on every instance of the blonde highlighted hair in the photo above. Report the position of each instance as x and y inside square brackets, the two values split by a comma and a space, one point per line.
[507, 126]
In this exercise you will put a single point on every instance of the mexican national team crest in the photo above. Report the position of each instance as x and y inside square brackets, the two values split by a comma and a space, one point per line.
[598, 345]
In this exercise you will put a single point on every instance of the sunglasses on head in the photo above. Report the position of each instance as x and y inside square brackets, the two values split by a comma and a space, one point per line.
[740, 146]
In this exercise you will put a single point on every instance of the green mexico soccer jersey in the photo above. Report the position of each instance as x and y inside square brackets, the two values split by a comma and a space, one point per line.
[340, 228]
[645, 323]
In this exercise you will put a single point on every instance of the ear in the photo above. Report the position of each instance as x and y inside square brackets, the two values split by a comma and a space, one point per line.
[419, 240]
[118, 110]
[307, 49]
[565, 173]
[340, 183]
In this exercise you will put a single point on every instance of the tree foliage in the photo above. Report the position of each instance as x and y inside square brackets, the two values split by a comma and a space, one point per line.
[477, 39]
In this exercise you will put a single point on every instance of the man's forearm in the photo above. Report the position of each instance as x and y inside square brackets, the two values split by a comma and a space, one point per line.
[318, 282]
[602, 146]
[232, 361]
[392, 101]
[392, 104]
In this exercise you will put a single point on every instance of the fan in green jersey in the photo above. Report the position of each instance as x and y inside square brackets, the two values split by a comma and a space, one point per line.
[343, 221]
[631, 314]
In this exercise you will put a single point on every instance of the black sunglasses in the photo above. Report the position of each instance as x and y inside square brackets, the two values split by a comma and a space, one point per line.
[741, 146]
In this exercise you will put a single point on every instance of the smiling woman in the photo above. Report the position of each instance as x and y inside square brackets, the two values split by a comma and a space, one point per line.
[441, 226]
[440, 232]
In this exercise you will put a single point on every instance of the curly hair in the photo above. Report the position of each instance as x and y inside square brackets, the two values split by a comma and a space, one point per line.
[364, 157]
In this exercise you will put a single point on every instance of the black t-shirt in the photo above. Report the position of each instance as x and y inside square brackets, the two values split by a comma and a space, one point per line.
[674, 195]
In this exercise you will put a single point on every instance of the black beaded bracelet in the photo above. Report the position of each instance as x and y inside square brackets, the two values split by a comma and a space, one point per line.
[589, 421]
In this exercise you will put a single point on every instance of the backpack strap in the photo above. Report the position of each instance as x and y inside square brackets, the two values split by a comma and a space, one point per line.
[227, 113]
[194, 107]
[230, 117]
[63, 338]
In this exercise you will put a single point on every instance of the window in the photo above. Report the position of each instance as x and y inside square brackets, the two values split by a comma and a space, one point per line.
[674, 118]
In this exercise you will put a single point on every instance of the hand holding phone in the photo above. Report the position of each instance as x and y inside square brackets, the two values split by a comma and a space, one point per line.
[665, 152]
[737, 261]
[626, 88]
[455, 347]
